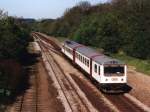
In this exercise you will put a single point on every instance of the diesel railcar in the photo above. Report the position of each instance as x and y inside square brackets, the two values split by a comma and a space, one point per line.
[108, 72]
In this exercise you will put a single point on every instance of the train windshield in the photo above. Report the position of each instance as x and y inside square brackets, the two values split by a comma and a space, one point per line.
[114, 71]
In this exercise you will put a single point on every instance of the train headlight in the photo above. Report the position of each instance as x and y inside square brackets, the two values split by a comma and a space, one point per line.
[122, 79]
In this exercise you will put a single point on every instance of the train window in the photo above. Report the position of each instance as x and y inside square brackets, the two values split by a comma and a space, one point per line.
[81, 58]
[99, 70]
[95, 68]
[88, 63]
[85, 61]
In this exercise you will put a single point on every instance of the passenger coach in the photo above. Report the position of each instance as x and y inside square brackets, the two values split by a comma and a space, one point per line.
[108, 72]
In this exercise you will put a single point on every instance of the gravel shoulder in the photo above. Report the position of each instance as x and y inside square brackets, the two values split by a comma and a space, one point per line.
[140, 86]
[48, 101]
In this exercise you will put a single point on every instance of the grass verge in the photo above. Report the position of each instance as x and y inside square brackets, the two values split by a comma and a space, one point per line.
[140, 65]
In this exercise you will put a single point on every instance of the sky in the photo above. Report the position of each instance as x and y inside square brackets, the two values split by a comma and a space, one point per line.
[39, 9]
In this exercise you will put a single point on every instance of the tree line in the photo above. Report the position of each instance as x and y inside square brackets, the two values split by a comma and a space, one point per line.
[14, 38]
[116, 26]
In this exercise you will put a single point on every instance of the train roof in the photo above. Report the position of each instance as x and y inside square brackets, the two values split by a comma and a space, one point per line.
[91, 53]
[71, 44]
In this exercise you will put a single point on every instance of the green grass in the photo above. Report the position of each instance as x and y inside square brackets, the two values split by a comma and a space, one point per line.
[140, 65]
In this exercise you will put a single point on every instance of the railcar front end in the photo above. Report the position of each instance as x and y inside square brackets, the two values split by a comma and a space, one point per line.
[114, 77]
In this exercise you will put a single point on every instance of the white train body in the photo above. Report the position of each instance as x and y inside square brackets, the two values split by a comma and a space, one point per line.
[105, 70]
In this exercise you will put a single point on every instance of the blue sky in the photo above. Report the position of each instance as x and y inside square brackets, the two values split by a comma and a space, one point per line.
[39, 8]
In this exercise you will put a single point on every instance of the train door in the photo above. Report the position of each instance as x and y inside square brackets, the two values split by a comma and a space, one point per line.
[96, 71]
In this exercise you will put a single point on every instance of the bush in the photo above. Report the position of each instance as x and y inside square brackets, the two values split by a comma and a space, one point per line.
[14, 39]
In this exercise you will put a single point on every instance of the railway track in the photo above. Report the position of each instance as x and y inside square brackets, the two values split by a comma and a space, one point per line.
[123, 103]
[75, 103]
[29, 100]
[73, 99]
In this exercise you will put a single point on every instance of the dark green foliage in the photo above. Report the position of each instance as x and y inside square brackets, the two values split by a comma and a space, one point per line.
[121, 25]
[100, 31]
[13, 38]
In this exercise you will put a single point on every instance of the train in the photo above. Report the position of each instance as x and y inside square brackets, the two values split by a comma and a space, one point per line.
[110, 73]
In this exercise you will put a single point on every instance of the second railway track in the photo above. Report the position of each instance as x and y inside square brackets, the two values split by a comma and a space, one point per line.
[28, 101]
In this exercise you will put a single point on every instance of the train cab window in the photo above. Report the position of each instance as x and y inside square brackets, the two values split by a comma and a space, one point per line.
[115, 71]
[95, 68]
[99, 71]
